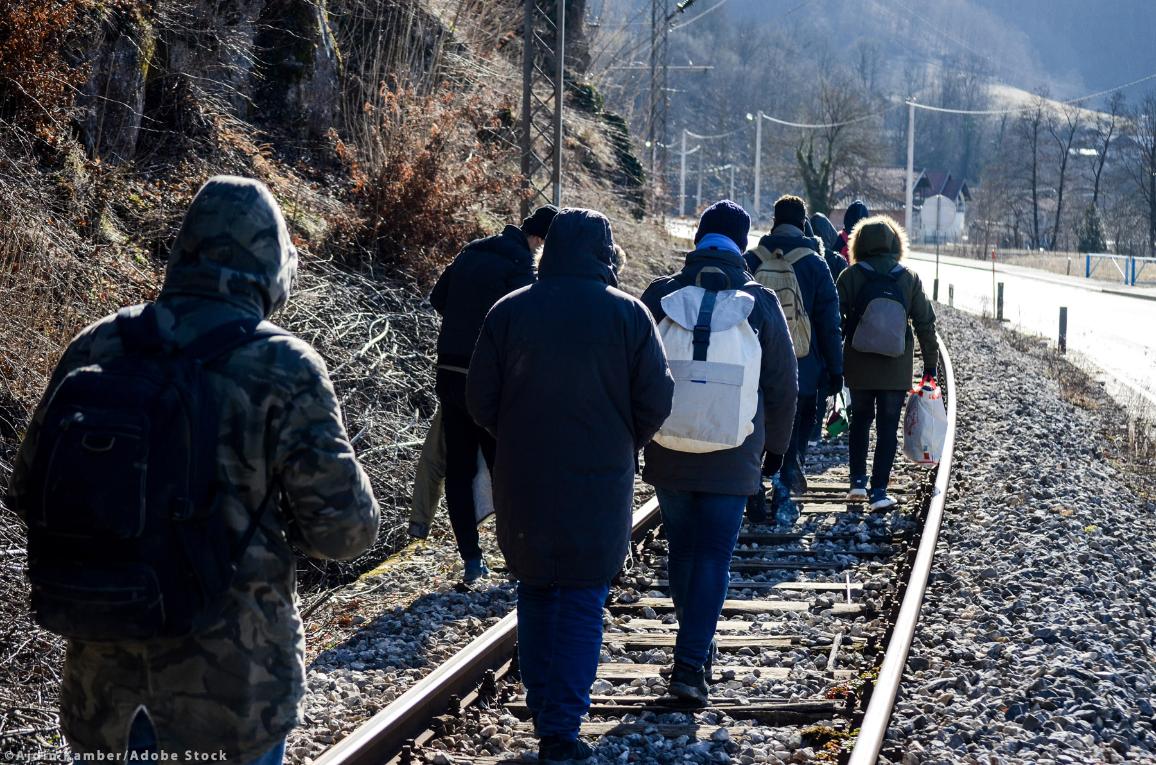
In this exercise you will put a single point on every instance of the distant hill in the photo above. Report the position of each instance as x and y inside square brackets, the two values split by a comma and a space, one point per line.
[1069, 46]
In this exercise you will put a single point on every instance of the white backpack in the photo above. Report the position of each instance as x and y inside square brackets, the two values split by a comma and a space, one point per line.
[716, 360]
[777, 271]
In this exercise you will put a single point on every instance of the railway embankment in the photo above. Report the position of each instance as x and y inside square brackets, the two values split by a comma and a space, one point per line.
[1037, 641]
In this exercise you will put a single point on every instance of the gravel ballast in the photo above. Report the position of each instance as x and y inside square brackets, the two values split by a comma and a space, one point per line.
[1036, 642]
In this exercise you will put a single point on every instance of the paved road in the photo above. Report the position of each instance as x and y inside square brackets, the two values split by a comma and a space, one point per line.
[1113, 328]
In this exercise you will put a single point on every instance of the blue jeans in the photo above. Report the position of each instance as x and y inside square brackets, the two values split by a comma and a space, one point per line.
[883, 407]
[702, 530]
[559, 640]
[142, 739]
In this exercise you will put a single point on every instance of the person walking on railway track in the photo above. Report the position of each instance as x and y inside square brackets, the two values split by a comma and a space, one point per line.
[570, 378]
[856, 211]
[880, 300]
[180, 447]
[736, 388]
[482, 273]
[836, 263]
[792, 265]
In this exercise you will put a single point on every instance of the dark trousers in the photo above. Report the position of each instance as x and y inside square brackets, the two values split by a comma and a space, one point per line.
[559, 641]
[796, 457]
[883, 407]
[702, 530]
[463, 439]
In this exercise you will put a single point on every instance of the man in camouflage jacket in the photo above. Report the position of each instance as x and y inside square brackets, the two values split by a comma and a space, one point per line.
[235, 687]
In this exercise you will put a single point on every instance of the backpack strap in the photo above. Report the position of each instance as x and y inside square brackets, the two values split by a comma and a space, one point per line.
[230, 336]
[701, 340]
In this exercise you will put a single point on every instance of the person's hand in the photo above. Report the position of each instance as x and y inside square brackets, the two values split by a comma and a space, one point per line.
[771, 464]
[834, 383]
[928, 376]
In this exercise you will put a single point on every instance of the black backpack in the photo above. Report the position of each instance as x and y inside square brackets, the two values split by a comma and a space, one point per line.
[125, 537]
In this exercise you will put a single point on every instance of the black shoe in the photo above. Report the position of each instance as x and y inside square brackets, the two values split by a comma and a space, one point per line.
[757, 506]
[708, 668]
[689, 686]
[559, 750]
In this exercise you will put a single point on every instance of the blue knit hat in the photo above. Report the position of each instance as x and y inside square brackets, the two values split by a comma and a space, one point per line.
[726, 218]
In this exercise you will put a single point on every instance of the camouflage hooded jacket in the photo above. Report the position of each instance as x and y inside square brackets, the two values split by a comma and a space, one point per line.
[235, 687]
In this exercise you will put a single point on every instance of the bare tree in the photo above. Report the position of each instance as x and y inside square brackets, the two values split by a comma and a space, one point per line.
[1140, 161]
[1105, 130]
[845, 148]
[1030, 127]
[1064, 134]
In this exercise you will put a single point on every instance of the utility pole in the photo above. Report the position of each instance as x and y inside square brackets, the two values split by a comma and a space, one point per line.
[758, 160]
[732, 182]
[698, 190]
[542, 92]
[908, 208]
[659, 95]
[682, 178]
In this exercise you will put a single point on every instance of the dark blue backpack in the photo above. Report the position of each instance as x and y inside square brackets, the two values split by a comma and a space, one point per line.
[125, 537]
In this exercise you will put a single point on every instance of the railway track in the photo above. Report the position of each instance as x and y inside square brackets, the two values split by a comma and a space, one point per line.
[813, 641]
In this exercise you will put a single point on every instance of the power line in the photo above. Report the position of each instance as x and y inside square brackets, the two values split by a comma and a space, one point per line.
[813, 126]
[1018, 109]
[698, 137]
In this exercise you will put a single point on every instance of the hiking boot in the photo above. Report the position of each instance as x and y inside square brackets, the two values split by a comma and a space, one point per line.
[689, 685]
[418, 530]
[557, 750]
[796, 480]
[475, 570]
[881, 500]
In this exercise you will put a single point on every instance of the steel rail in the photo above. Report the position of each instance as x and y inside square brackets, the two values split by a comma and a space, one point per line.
[878, 715]
[382, 736]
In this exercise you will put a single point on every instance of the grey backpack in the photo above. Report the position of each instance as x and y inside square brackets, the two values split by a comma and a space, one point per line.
[878, 323]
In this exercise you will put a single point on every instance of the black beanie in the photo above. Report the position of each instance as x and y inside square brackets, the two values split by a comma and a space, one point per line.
[726, 218]
[856, 212]
[539, 221]
[791, 211]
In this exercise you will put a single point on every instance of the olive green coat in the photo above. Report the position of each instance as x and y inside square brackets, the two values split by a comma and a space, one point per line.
[870, 371]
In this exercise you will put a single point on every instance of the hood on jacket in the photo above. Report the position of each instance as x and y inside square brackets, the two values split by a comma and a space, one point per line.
[233, 246]
[579, 243]
[825, 230]
[856, 212]
[786, 238]
[511, 243]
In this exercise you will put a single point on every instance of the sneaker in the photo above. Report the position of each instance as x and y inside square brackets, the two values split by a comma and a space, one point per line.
[881, 500]
[689, 685]
[418, 530]
[857, 495]
[475, 570]
[556, 749]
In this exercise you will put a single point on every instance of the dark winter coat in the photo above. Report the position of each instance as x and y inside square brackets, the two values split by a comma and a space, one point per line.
[820, 301]
[570, 377]
[832, 244]
[732, 471]
[482, 273]
[870, 371]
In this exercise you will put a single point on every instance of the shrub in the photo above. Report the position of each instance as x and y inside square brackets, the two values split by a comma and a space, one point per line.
[424, 182]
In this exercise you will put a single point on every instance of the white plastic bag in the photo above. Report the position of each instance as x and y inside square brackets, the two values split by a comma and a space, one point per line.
[925, 425]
